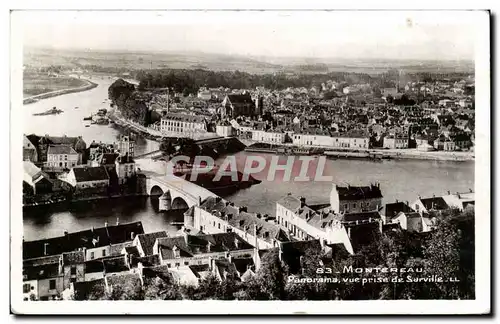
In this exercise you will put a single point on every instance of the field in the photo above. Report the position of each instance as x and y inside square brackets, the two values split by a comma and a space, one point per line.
[37, 83]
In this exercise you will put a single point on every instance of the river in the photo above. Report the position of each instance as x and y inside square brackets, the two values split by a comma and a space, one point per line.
[402, 179]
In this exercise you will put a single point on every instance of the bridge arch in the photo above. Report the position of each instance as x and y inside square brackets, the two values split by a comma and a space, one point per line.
[179, 203]
[156, 191]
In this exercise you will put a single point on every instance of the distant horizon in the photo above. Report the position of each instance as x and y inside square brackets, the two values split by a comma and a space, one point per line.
[336, 35]
[254, 57]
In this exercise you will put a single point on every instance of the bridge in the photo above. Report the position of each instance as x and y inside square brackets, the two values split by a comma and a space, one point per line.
[176, 192]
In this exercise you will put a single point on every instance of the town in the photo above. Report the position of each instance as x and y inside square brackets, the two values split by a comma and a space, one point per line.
[224, 251]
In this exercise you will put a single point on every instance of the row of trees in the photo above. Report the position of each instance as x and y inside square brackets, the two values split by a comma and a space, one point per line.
[447, 253]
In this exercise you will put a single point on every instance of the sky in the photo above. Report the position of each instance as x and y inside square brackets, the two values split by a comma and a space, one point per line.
[371, 34]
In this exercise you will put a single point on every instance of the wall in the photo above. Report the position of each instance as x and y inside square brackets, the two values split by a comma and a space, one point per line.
[79, 276]
[44, 285]
[33, 289]
[206, 219]
[99, 252]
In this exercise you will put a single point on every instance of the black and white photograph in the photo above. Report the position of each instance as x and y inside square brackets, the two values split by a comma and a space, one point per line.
[252, 159]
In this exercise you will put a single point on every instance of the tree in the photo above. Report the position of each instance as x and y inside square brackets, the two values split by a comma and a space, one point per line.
[271, 276]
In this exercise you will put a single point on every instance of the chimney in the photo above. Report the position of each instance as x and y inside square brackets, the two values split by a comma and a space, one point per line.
[448, 192]
[236, 243]
[211, 262]
[302, 202]
[397, 201]
[65, 232]
[242, 209]
[106, 224]
[117, 221]
[380, 227]
[209, 245]
[349, 232]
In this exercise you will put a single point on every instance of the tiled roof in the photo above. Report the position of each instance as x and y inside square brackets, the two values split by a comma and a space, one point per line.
[184, 118]
[86, 173]
[50, 270]
[240, 99]
[42, 261]
[96, 237]
[357, 193]
[148, 241]
[61, 149]
[76, 257]
[434, 203]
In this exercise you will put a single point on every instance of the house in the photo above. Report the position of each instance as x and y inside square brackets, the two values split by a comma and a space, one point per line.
[188, 249]
[126, 146]
[61, 157]
[35, 181]
[392, 209]
[42, 143]
[444, 143]
[268, 137]
[182, 123]
[73, 264]
[426, 205]
[29, 150]
[144, 242]
[84, 177]
[225, 130]
[397, 141]
[235, 105]
[125, 168]
[95, 242]
[415, 222]
[353, 199]
[43, 278]
[215, 215]
[460, 200]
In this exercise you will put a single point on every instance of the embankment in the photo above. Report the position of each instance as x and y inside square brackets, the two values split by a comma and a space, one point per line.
[32, 99]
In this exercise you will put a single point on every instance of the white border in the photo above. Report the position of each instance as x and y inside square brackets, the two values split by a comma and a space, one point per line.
[480, 305]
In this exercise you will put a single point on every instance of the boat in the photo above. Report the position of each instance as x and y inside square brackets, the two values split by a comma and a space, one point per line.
[53, 111]
[87, 118]
[76, 107]
[87, 125]
[101, 121]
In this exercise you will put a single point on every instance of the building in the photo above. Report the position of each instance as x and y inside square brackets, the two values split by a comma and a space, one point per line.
[235, 105]
[35, 181]
[182, 123]
[126, 146]
[125, 168]
[95, 242]
[204, 94]
[348, 230]
[353, 199]
[415, 222]
[189, 250]
[397, 141]
[61, 157]
[42, 143]
[352, 139]
[43, 278]
[84, 177]
[215, 215]
[268, 137]
[444, 143]
[29, 150]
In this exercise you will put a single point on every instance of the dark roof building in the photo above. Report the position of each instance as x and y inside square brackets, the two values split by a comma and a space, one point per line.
[359, 193]
[95, 237]
[86, 173]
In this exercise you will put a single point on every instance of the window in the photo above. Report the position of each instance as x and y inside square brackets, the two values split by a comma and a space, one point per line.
[26, 288]
[52, 284]
[186, 263]
[346, 206]
[73, 270]
[168, 265]
[104, 252]
[65, 158]
[218, 225]
[354, 205]
[177, 264]
[92, 256]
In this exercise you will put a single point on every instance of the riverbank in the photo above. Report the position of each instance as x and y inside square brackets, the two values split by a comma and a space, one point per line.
[32, 99]
[354, 153]
[80, 199]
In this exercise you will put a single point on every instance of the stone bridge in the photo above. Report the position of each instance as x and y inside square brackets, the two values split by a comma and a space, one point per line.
[175, 192]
